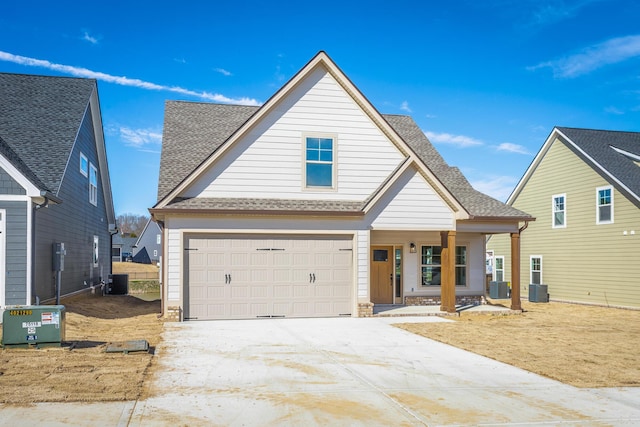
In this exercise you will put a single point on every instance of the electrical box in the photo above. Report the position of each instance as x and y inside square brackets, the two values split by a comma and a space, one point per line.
[33, 325]
[58, 256]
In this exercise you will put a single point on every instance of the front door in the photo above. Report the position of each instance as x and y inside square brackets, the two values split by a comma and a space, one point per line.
[382, 274]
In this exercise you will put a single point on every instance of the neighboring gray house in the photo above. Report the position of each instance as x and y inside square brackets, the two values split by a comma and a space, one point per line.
[122, 248]
[148, 247]
[54, 187]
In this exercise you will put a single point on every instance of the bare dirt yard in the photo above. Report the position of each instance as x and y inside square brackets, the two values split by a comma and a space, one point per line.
[580, 345]
[81, 370]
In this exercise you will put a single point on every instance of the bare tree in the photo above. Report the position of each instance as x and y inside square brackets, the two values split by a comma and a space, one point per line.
[131, 224]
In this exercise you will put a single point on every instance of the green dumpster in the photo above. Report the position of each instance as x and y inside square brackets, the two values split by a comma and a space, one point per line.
[33, 325]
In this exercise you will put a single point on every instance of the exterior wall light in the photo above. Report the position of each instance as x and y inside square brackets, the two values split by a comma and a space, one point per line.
[412, 248]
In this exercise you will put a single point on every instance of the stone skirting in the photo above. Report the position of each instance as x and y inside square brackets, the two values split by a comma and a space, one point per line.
[435, 300]
[174, 314]
[365, 309]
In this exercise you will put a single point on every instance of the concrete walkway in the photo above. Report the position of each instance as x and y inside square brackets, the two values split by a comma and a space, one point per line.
[338, 372]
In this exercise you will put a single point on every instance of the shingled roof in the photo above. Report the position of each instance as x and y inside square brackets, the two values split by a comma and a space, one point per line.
[612, 152]
[194, 130]
[39, 121]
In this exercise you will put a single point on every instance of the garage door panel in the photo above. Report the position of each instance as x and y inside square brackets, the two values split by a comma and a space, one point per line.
[269, 276]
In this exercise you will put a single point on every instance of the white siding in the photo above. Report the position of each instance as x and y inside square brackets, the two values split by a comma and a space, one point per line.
[362, 268]
[268, 162]
[414, 206]
[174, 267]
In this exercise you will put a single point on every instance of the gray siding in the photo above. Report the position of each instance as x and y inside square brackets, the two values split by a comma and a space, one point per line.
[9, 185]
[149, 240]
[16, 252]
[74, 222]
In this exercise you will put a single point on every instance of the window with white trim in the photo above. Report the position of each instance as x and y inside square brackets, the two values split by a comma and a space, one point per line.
[93, 185]
[319, 162]
[559, 211]
[96, 241]
[535, 272]
[84, 165]
[431, 266]
[604, 205]
[498, 270]
[158, 239]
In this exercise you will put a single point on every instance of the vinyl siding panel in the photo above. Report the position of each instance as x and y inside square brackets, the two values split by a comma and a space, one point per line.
[16, 252]
[414, 205]
[584, 262]
[8, 185]
[74, 222]
[269, 161]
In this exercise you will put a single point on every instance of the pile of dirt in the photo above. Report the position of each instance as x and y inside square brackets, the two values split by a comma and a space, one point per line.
[80, 370]
[584, 346]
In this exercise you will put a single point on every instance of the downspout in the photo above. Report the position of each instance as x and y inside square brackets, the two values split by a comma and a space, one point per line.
[524, 227]
[37, 207]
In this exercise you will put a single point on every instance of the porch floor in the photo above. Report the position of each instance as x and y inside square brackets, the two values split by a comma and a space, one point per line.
[391, 310]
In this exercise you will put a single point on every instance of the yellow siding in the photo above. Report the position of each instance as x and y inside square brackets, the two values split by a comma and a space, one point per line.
[583, 262]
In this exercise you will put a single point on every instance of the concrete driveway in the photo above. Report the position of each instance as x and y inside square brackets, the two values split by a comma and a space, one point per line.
[351, 372]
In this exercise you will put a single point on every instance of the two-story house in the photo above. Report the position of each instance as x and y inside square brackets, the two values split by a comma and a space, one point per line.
[315, 204]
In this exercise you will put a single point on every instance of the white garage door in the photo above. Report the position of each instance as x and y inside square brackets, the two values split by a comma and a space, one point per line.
[232, 277]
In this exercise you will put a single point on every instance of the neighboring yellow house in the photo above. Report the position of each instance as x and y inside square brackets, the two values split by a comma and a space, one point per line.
[583, 188]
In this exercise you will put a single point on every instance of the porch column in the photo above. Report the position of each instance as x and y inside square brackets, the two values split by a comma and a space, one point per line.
[515, 272]
[448, 271]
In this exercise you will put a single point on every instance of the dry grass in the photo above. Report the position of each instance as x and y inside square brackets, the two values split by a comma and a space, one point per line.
[133, 267]
[579, 345]
[85, 372]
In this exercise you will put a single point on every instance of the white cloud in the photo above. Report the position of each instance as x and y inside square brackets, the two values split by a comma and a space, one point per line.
[180, 60]
[223, 71]
[430, 116]
[89, 38]
[405, 106]
[594, 57]
[458, 140]
[121, 80]
[614, 110]
[498, 187]
[139, 138]
[512, 148]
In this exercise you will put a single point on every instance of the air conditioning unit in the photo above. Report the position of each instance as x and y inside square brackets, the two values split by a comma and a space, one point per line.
[538, 293]
[498, 290]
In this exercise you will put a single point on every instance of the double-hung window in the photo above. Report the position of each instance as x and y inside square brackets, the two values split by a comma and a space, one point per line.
[604, 205]
[498, 271]
[84, 165]
[93, 185]
[559, 211]
[431, 266]
[319, 162]
[536, 269]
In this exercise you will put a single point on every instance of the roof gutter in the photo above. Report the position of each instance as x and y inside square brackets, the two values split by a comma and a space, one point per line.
[260, 212]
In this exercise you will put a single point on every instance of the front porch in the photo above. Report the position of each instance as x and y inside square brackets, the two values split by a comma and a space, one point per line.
[397, 310]
[443, 271]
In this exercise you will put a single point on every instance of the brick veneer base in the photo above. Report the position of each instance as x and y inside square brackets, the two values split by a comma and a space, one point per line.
[365, 309]
[435, 300]
[174, 314]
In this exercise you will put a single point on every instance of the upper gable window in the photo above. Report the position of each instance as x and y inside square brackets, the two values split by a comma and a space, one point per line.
[84, 165]
[604, 205]
[93, 185]
[559, 211]
[319, 162]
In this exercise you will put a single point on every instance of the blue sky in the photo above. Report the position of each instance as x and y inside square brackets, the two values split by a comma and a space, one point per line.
[485, 80]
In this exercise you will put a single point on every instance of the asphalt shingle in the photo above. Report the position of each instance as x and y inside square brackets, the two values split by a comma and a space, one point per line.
[39, 121]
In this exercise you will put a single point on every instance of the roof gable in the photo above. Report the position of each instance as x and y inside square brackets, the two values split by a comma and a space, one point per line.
[195, 135]
[613, 154]
[39, 120]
